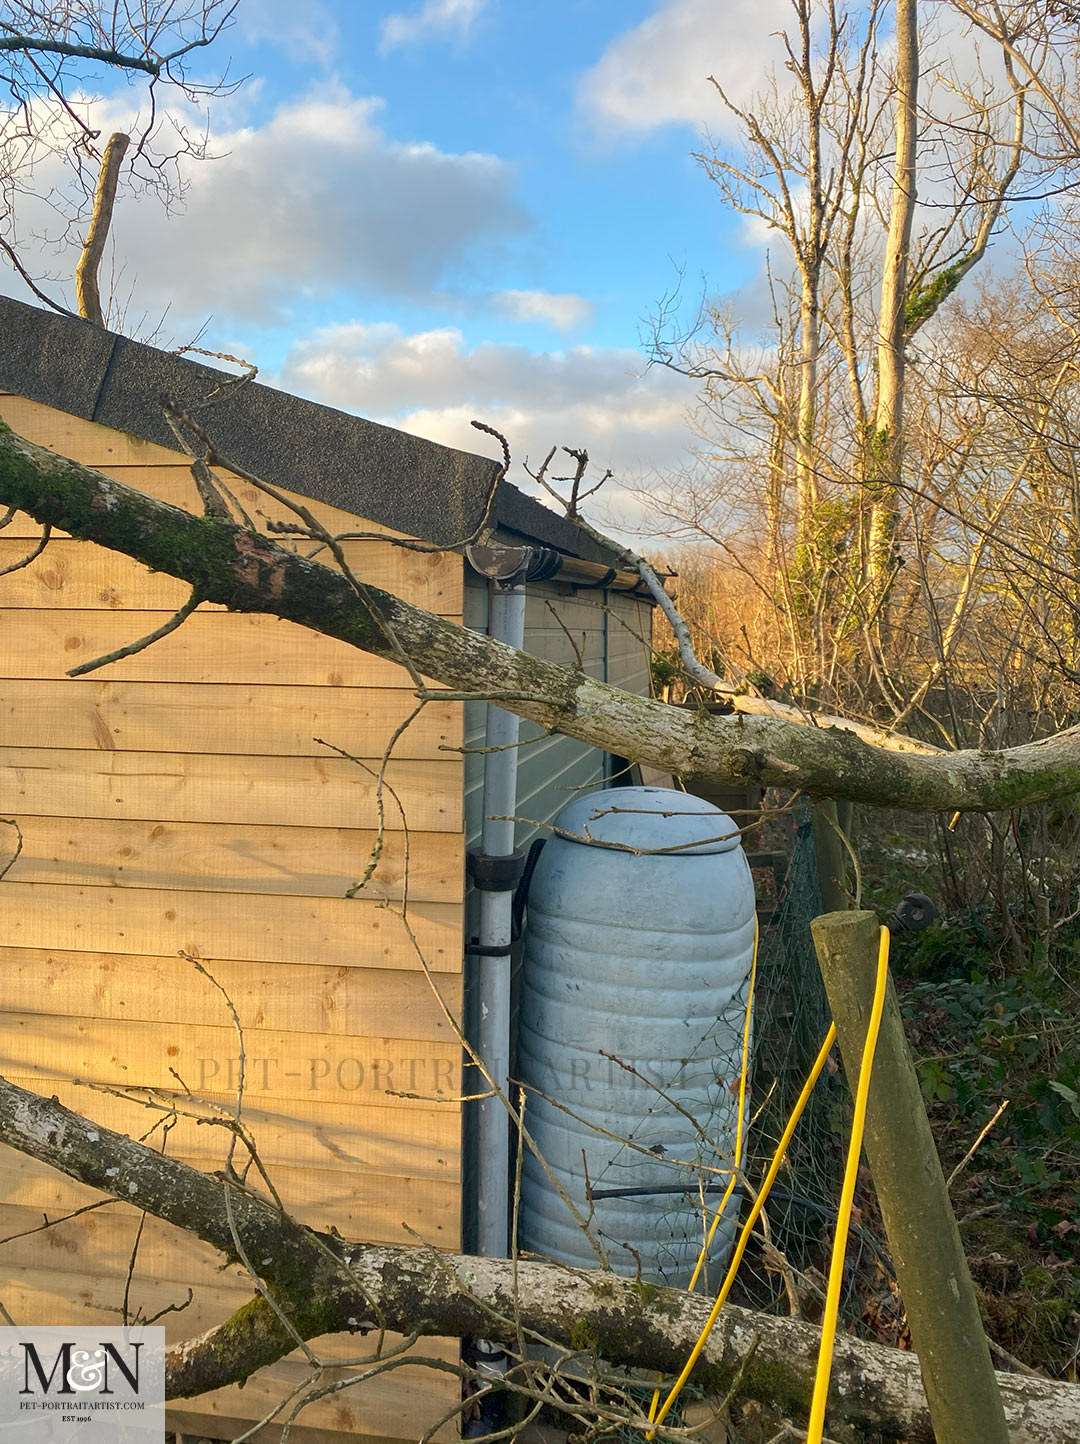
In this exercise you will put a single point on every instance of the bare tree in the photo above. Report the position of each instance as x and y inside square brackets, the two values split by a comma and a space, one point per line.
[886, 199]
[55, 175]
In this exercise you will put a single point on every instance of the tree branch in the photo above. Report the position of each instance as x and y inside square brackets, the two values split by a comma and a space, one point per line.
[247, 572]
[328, 1285]
[86, 272]
[37, 44]
[751, 706]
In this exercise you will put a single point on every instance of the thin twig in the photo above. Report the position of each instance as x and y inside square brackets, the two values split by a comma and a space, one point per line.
[176, 620]
[43, 542]
[969, 1155]
[13, 859]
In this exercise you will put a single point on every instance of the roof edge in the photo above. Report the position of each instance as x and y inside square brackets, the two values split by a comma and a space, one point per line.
[388, 476]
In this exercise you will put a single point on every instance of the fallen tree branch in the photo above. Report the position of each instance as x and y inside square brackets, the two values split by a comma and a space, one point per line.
[327, 1285]
[248, 572]
[748, 704]
[756, 706]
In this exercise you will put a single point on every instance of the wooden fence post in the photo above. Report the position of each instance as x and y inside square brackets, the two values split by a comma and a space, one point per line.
[830, 827]
[932, 1271]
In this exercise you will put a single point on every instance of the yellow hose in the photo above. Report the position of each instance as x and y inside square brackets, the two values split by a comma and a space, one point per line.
[847, 1194]
[722, 1205]
[744, 1236]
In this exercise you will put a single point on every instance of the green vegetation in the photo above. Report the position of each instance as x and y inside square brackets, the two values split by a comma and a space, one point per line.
[980, 1040]
[922, 304]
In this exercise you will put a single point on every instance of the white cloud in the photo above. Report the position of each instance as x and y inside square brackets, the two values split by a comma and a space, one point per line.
[320, 199]
[316, 201]
[433, 21]
[564, 310]
[658, 72]
[433, 384]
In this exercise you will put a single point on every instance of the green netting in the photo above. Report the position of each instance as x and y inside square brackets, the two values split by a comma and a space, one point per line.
[791, 1019]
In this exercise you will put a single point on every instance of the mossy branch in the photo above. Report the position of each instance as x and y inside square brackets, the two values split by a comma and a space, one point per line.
[924, 301]
[248, 572]
[325, 1284]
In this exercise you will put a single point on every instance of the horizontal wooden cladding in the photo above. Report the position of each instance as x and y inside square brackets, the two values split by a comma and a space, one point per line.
[350, 1426]
[186, 1422]
[626, 649]
[400, 1404]
[566, 630]
[328, 932]
[360, 1203]
[271, 721]
[209, 1307]
[156, 470]
[210, 647]
[326, 791]
[81, 440]
[341, 1001]
[379, 1207]
[237, 858]
[628, 636]
[79, 574]
[401, 1074]
[365, 1142]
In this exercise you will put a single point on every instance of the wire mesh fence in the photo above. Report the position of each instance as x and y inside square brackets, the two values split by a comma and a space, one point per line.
[792, 1016]
[791, 1020]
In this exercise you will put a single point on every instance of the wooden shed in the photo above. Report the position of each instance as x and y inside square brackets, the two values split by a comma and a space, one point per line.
[189, 799]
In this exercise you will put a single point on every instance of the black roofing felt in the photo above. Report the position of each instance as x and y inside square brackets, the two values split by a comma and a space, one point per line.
[388, 476]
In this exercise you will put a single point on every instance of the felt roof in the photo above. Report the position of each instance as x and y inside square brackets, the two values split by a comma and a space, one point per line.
[374, 471]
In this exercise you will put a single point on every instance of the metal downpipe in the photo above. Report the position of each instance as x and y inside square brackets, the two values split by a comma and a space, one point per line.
[506, 624]
[495, 869]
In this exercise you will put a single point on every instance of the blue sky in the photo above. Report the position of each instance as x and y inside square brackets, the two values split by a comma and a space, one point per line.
[426, 211]
[607, 214]
[429, 210]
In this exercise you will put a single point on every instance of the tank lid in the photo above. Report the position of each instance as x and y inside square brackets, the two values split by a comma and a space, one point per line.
[649, 818]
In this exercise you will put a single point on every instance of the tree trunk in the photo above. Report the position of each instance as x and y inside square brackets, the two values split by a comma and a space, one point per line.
[87, 294]
[325, 1284]
[805, 471]
[883, 468]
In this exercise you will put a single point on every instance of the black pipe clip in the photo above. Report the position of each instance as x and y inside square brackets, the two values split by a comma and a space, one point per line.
[494, 874]
[478, 865]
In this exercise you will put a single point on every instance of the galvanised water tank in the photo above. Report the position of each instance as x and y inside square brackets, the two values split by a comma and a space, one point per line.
[638, 949]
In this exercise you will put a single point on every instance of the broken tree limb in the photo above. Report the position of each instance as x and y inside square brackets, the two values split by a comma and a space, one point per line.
[756, 706]
[881, 737]
[87, 291]
[325, 1284]
[248, 572]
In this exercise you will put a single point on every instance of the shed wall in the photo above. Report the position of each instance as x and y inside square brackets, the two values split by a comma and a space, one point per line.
[608, 634]
[177, 800]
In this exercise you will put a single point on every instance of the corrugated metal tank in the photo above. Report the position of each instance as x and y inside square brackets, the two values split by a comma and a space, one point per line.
[643, 956]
